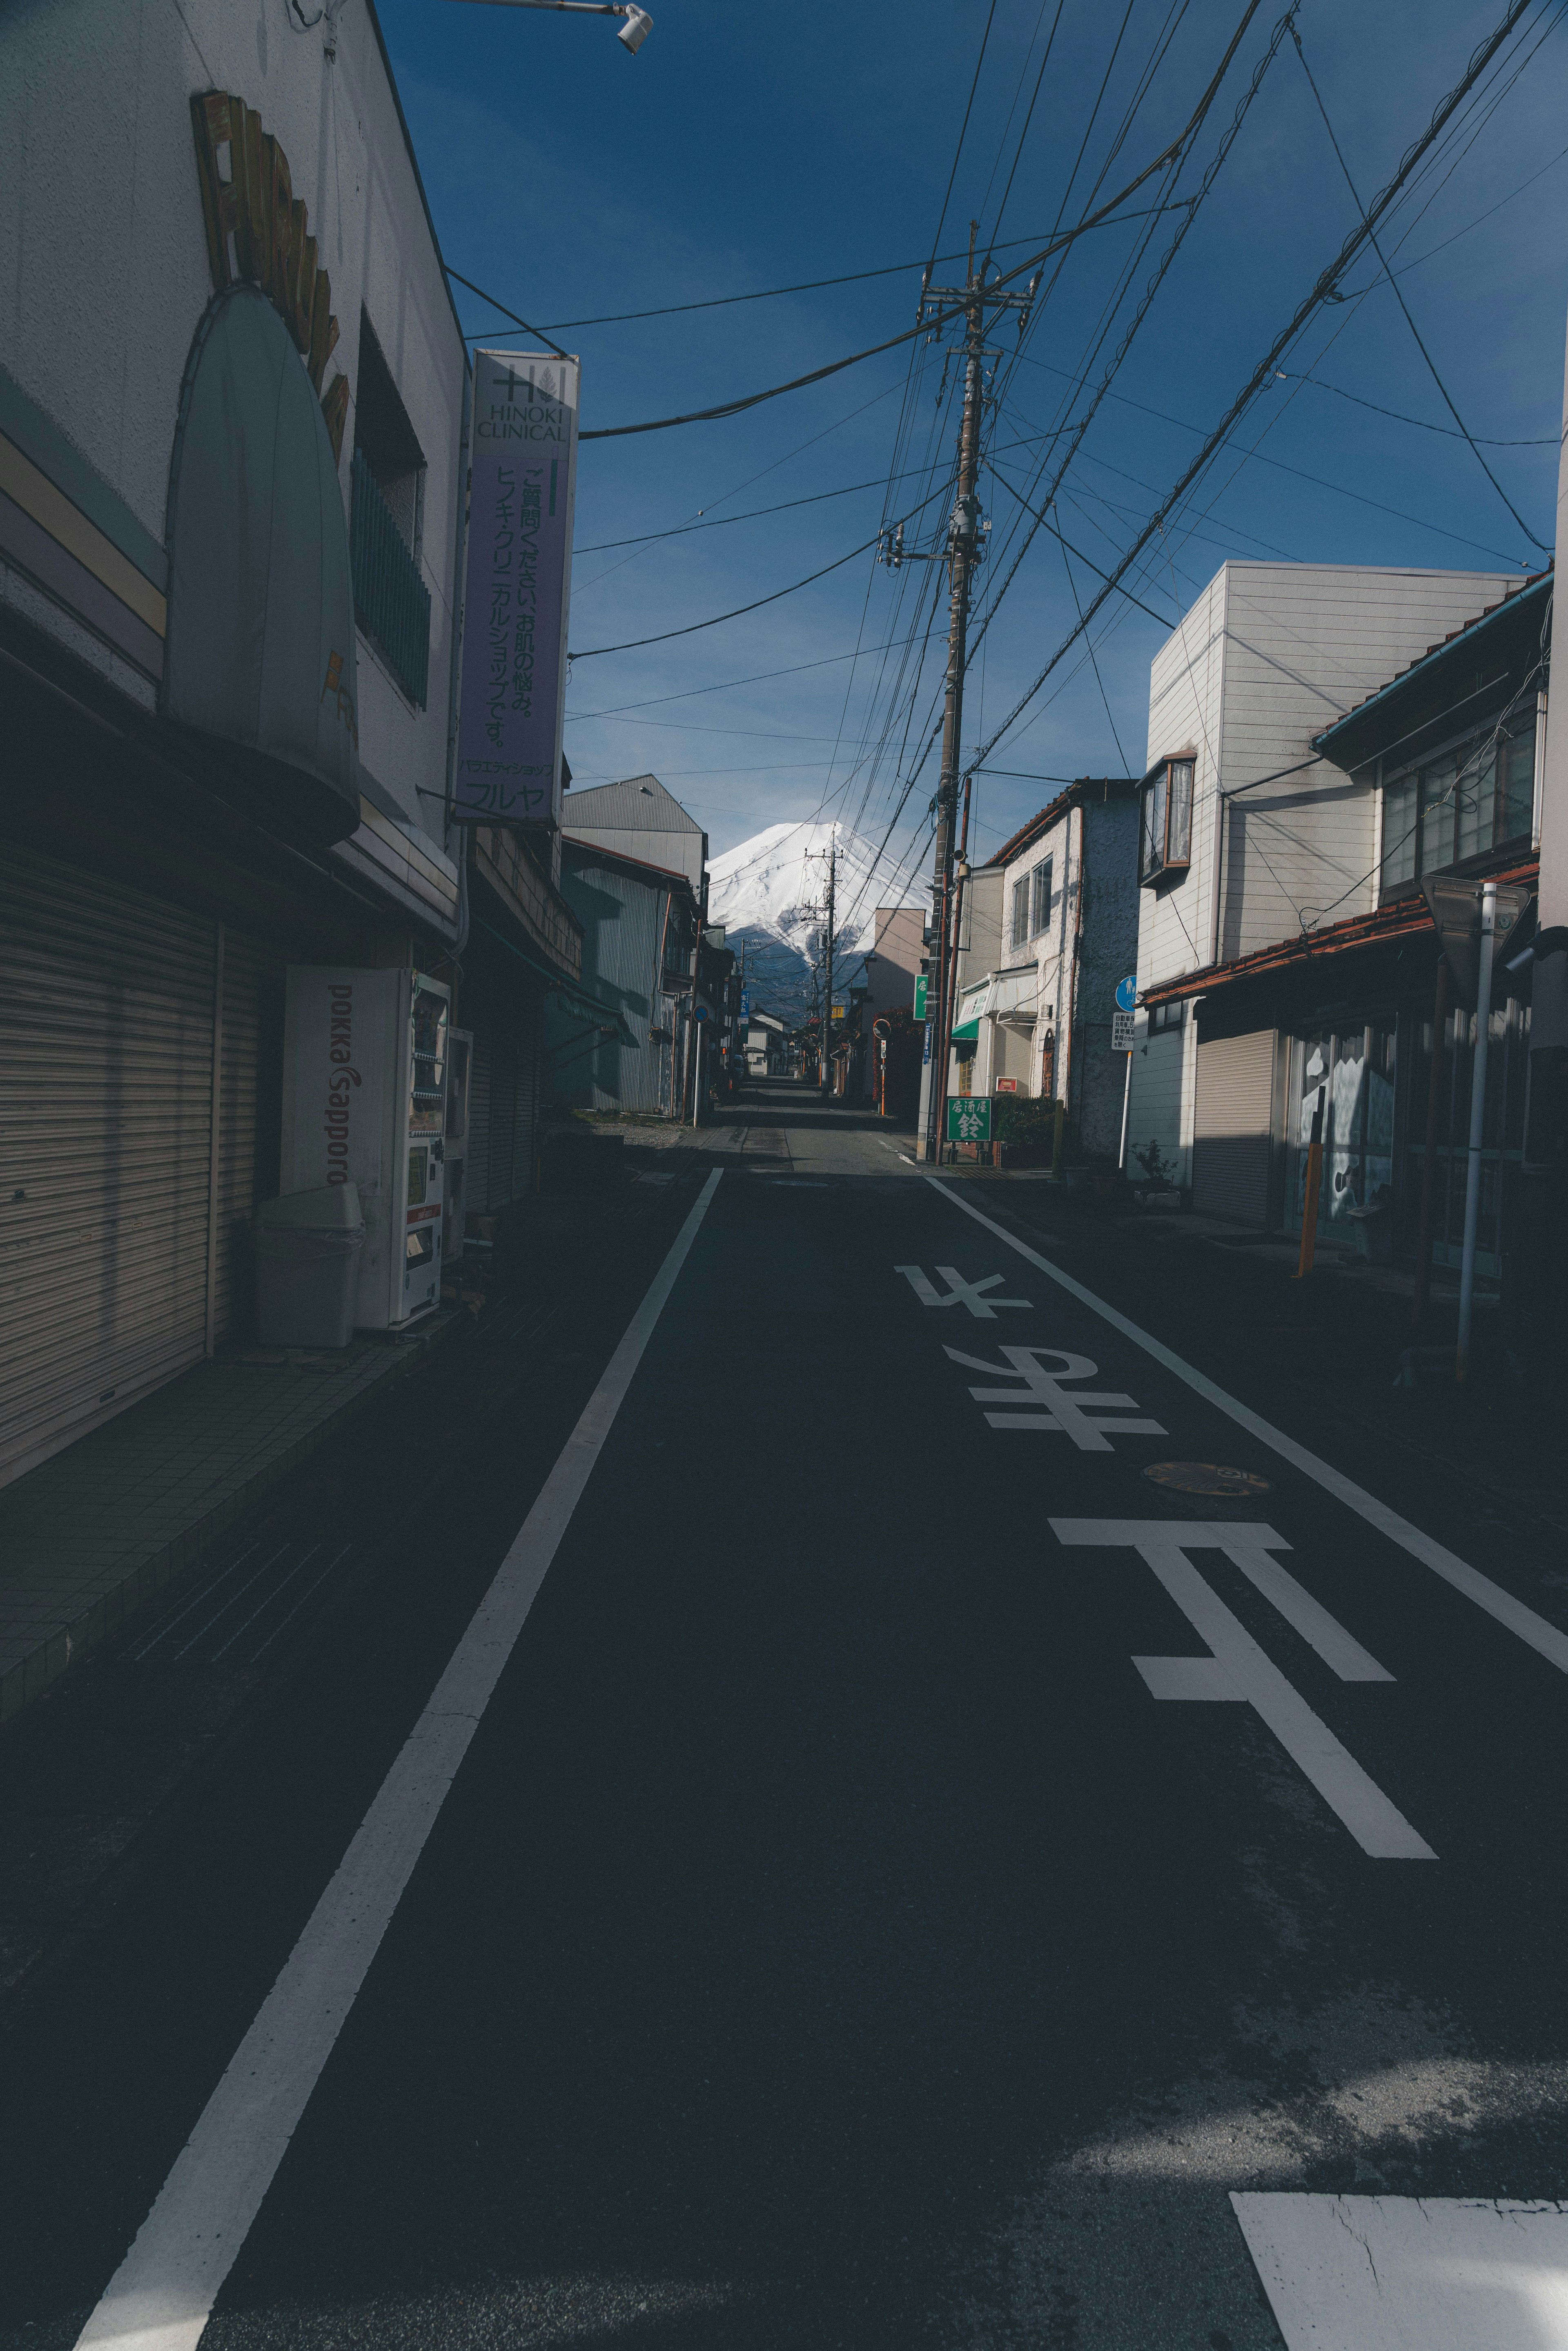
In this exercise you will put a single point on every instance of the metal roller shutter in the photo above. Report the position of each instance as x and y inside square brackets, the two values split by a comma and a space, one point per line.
[503, 1114]
[1232, 1136]
[477, 1174]
[106, 1061]
[249, 1118]
[526, 1044]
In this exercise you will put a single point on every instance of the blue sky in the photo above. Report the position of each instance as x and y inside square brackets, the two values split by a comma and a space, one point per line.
[751, 146]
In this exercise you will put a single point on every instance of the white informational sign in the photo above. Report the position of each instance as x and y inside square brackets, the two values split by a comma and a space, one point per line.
[1122, 1027]
[517, 588]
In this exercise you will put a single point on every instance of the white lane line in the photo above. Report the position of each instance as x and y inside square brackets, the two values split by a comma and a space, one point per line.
[1411, 2274]
[160, 2296]
[1238, 1669]
[1532, 1629]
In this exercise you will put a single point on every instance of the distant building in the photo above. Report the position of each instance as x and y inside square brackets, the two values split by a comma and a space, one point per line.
[634, 872]
[897, 959]
[1047, 929]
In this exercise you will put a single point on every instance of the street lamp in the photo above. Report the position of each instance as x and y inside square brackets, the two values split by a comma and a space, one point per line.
[631, 34]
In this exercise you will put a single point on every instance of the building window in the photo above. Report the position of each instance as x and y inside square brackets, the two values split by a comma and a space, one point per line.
[1019, 931]
[1167, 843]
[392, 602]
[1167, 1015]
[1478, 798]
[1040, 898]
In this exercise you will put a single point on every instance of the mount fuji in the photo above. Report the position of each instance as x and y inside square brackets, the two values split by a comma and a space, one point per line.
[770, 893]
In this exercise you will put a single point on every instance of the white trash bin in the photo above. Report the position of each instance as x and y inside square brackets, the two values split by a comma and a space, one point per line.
[308, 1267]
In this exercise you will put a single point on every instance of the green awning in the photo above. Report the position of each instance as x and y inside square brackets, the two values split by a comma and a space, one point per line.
[967, 1029]
[573, 998]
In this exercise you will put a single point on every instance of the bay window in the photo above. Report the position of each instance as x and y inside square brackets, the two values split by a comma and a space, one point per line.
[1167, 832]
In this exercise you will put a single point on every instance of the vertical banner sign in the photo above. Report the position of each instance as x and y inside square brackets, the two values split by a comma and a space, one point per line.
[517, 587]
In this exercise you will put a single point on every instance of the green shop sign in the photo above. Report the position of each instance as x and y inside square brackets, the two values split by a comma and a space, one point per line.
[969, 1118]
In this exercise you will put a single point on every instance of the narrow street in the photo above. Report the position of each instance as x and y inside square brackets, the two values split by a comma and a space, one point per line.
[853, 1920]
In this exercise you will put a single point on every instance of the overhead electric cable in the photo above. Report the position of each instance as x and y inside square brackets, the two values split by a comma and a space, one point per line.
[1416, 331]
[963, 134]
[1541, 441]
[1211, 174]
[942, 318]
[1314, 301]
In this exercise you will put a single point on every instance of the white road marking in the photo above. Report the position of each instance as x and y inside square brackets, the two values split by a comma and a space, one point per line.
[1411, 2274]
[960, 1292]
[1532, 1629]
[1087, 1431]
[1238, 1669]
[160, 2296]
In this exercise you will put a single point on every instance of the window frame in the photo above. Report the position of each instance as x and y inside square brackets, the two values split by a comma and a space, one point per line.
[1040, 877]
[1415, 785]
[1163, 1018]
[1164, 820]
[1017, 913]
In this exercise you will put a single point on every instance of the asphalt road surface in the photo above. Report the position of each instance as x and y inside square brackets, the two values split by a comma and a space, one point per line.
[830, 1853]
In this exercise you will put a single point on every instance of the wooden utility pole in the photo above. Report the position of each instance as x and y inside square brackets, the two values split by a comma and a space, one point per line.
[961, 554]
[827, 961]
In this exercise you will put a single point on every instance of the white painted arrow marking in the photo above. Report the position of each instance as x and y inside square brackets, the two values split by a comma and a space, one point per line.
[1238, 1669]
[960, 1292]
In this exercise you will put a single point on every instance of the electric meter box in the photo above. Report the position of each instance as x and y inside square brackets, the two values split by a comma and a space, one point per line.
[364, 1103]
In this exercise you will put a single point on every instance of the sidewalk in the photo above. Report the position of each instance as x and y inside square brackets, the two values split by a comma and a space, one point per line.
[87, 1536]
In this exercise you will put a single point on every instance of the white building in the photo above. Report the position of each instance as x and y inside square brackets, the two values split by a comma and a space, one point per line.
[231, 405]
[1048, 928]
[1249, 838]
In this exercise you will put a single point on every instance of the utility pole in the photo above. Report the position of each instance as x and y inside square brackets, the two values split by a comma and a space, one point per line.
[827, 961]
[962, 552]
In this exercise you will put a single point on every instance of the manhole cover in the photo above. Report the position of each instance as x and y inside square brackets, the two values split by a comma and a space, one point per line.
[1207, 1478]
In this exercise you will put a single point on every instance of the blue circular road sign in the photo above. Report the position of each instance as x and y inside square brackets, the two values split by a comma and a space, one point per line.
[1127, 993]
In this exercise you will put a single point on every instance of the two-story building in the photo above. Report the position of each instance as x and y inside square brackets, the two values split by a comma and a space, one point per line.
[1047, 929]
[1322, 741]
[232, 489]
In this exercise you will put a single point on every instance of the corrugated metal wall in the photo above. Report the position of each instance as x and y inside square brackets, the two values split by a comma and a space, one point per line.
[106, 1037]
[1233, 1142]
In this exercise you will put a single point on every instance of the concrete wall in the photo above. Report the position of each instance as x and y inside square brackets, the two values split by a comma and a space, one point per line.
[104, 276]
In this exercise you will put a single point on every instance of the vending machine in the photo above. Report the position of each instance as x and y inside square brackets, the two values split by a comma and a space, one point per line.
[364, 1102]
[455, 1167]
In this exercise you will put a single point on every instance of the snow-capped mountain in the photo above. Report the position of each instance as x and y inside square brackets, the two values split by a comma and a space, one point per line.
[771, 893]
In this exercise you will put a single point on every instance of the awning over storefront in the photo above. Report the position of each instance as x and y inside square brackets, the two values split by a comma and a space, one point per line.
[574, 999]
[971, 1004]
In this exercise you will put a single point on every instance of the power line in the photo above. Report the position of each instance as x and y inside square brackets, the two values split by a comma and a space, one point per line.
[1314, 301]
[940, 319]
[1544, 440]
[963, 134]
[1405, 307]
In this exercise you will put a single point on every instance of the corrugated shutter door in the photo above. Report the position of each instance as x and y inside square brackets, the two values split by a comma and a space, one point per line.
[1231, 1138]
[503, 1113]
[106, 1030]
[476, 1173]
[526, 1046]
[250, 1116]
